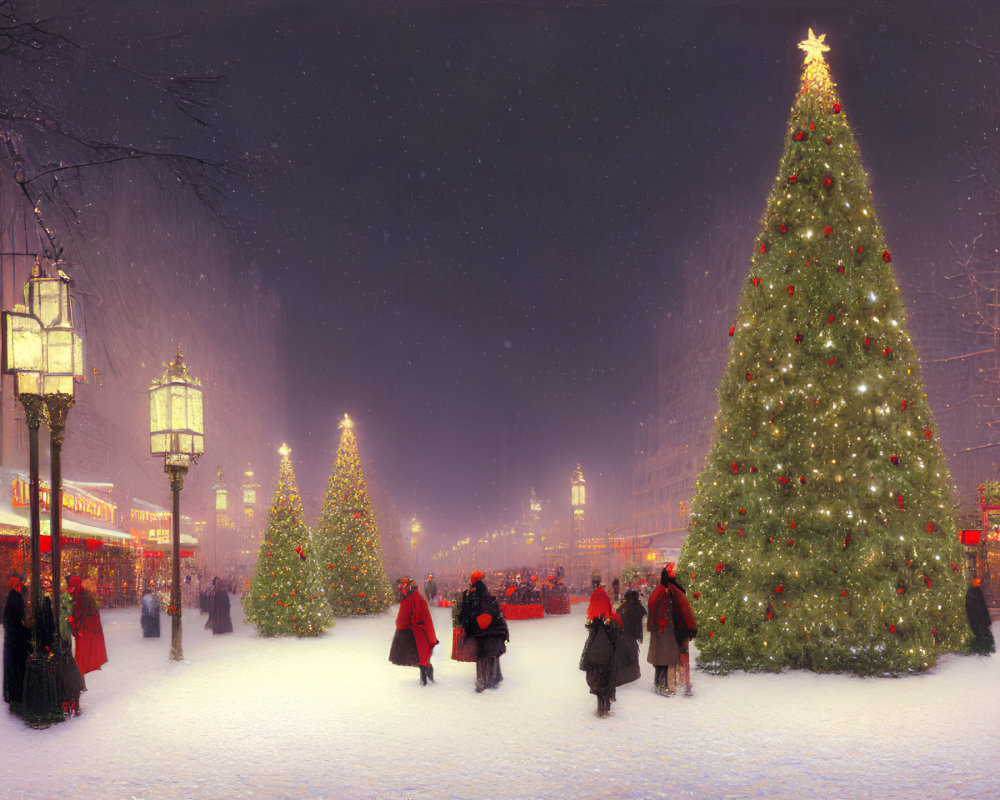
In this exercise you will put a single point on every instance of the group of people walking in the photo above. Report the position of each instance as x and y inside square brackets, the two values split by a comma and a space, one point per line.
[610, 656]
[79, 645]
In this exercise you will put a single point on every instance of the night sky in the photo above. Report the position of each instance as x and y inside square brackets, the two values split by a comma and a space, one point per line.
[479, 214]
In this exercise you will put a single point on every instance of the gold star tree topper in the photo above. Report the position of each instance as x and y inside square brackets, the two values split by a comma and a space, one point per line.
[814, 46]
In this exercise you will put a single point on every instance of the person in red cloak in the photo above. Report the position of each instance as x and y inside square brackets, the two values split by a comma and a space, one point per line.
[672, 626]
[414, 639]
[86, 626]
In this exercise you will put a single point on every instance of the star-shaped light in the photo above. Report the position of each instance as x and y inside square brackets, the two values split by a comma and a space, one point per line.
[814, 47]
[285, 451]
[345, 423]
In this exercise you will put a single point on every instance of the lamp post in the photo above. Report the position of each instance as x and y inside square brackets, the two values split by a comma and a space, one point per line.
[177, 432]
[45, 354]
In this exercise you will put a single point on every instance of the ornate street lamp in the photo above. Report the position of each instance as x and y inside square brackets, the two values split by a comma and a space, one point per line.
[45, 354]
[177, 432]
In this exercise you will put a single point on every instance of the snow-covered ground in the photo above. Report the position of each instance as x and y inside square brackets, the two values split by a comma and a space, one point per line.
[244, 717]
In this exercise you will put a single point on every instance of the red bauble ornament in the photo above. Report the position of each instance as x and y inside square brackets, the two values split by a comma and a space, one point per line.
[791, 541]
[734, 467]
[831, 318]
[861, 248]
[798, 337]
[892, 628]
[779, 589]
[827, 231]
[829, 140]
[720, 527]
[732, 330]
[800, 135]
[755, 281]
[927, 434]
[930, 527]
[793, 179]
[843, 592]
[763, 248]
[722, 619]
[792, 523]
[802, 479]
[697, 595]
[783, 228]
[743, 511]
[836, 108]
[831, 362]
[894, 458]
[782, 479]
[753, 469]
[886, 256]
[739, 531]
[887, 351]
[899, 499]
[812, 126]
[903, 405]
[827, 181]
[711, 634]
[719, 567]
[749, 376]
[840, 267]
[791, 289]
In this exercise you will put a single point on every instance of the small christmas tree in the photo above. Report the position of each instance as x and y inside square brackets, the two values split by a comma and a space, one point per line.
[355, 574]
[286, 595]
[822, 533]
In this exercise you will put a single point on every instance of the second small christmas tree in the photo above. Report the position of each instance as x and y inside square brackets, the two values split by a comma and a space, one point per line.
[354, 571]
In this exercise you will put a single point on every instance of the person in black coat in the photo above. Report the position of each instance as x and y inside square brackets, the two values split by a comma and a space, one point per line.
[482, 620]
[979, 619]
[632, 612]
[16, 643]
[219, 619]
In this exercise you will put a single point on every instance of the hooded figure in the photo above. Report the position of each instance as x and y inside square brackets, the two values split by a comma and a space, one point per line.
[482, 620]
[414, 640]
[599, 657]
[149, 617]
[219, 619]
[671, 625]
[85, 623]
[632, 613]
[16, 643]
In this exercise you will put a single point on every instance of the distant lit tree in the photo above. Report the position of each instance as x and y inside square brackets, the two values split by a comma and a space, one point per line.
[286, 595]
[822, 530]
[348, 533]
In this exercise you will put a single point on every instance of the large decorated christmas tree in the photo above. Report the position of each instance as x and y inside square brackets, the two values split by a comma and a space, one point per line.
[355, 574]
[822, 533]
[286, 595]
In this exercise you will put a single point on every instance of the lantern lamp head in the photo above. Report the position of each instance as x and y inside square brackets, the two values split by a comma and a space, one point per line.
[176, 415]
